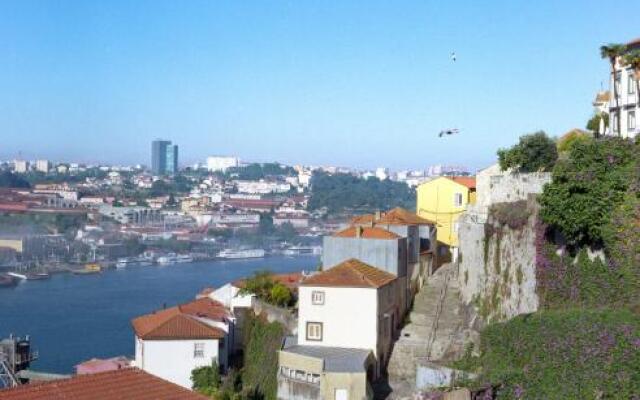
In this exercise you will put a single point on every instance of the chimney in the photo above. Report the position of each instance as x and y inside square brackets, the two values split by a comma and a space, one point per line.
[377, 216]
[358, 231]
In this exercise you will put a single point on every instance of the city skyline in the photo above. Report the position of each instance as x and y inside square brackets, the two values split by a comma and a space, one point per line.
[308, 84]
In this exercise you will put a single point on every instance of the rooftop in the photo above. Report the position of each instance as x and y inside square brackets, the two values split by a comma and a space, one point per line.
[396, 216]
[366, 233]
[336, 359]
[468, 181]
[292, 280]
[602, 97]
[351, 273]
[127, 383]
[186, 321]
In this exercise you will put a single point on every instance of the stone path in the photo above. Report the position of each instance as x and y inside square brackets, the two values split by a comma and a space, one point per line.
[435, 332]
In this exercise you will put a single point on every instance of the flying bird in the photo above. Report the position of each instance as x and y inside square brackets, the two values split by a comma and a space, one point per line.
[448, 132]
[453, 56]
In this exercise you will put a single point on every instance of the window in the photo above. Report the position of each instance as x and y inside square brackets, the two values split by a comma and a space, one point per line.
[457, 199]
[631, 120]
[317, 297]
[616, 123]
[314, 331]
[198, 350]
[342, 394]
[631, 85]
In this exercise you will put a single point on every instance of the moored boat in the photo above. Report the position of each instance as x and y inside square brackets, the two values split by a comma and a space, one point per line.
[240, 254]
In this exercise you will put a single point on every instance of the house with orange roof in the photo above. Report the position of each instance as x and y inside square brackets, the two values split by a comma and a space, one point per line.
[373, 245]
[443, 200]
[348, 316]
[170, 343]
[118, 384]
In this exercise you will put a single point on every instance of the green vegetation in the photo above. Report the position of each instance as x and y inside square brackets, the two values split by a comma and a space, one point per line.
[206, 380]
[267, 289]
[535, 152]
[590, 183]
[257, 171]
[593, 125]
[514, 215]
[262, 341]
[343, 192]
[10, 180]
[572, 354]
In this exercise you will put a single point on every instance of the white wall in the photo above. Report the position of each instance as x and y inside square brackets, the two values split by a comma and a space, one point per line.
[349, 317]
[173, 360]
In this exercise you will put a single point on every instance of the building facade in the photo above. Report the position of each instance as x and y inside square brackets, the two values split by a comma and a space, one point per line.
[164, 157]
[624, 113]
[173, 342]
[443, 200]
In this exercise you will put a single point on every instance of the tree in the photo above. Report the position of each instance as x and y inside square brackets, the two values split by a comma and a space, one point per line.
[280, 295]
[587, 187]
[632, 59]
[593, 125]
[11, 180]
[534, 152]
[612, 52]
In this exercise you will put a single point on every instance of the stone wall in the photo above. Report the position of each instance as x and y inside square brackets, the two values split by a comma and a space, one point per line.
[284, 316]
[497, 274]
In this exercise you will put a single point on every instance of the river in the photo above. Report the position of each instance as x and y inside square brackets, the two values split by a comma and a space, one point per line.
[72, 318]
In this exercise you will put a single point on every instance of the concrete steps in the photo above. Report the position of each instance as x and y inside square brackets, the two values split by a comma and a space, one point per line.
[413, 345]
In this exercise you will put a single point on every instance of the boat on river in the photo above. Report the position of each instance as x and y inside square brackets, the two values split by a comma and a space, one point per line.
[231, 254]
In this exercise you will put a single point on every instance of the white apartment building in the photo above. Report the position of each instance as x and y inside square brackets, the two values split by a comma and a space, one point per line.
[172, 342]
[261, 187]
[21, 166]
[351, 305]
[222, 163]
[43, 166]
[628, 98]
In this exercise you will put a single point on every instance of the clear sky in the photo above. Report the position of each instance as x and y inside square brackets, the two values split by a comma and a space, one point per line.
[353, 83]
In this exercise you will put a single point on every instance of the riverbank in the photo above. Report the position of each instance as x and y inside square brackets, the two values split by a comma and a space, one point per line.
[73, 318]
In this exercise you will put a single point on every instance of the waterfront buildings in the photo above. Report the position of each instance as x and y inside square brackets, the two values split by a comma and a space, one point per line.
[126, 383]
[222, 163]
[170, 343]
[443, 200]
[164, 157]
[625, 110]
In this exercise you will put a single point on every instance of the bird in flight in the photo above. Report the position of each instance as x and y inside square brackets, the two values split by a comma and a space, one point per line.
[453, 56]
[448, 132]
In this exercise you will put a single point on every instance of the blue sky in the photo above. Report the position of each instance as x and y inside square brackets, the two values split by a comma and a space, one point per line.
[351, 83]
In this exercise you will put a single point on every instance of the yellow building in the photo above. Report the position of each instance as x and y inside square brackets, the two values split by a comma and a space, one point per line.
[443, 200]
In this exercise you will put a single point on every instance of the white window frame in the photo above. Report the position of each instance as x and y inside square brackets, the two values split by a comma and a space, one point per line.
[198, 350]
[631, 84]
[317, 297]
[314, 331]
[456, 197]
[631, 120]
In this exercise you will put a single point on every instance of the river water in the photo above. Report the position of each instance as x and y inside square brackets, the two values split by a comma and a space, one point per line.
[72, 318]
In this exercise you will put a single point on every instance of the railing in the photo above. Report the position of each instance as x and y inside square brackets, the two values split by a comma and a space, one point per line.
[436, 319]
[7, 377]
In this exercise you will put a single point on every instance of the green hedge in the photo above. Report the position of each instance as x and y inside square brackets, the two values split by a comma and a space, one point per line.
[262, 341]
[572, 354]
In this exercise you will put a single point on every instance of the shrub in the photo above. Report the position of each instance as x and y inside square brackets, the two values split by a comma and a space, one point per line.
[280, 295]
[534, 152]
[206, 380]
[514, 215]
[573, 354]
[587, 187]
[262, 340]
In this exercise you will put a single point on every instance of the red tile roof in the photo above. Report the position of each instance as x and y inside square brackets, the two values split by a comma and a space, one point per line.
[468, 181]
[396, 216]
[351, 273]
[292, 281]
[366, 233]
[127, 383]
[182, 322]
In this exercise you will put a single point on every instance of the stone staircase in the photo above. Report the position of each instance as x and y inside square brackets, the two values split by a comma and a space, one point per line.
[435, 332]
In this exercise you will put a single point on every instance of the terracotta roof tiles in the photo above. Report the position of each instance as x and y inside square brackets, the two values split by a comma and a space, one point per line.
[351, 273]
[182, 322]
[126, 383]
[396, 216]
[366, 233]
[468, 181]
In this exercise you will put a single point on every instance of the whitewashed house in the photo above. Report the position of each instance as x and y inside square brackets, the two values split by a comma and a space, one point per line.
[170, 343]
[628, 102]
